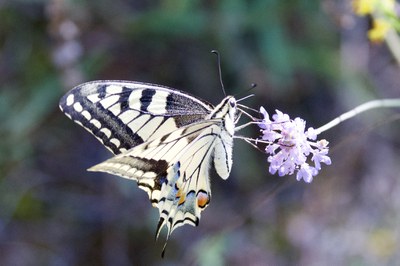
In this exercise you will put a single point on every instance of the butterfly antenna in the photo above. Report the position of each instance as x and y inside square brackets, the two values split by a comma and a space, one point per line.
[219, 70]
[252, 86]
[245, 97]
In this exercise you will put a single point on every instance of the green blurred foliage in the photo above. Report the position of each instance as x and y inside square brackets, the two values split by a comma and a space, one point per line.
[309, 58]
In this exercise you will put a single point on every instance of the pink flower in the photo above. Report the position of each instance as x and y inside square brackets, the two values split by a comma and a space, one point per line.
[289, 146]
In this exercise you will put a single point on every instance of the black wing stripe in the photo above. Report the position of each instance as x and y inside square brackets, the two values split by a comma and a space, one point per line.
[146, 99]
[102, 90]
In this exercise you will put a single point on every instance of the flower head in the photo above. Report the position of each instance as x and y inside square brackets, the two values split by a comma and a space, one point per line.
[379, 30]
[384, 17]
[363, 7]
[367, 7]
[289, 146]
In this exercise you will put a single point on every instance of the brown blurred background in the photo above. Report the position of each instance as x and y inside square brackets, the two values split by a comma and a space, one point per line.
[309, 58]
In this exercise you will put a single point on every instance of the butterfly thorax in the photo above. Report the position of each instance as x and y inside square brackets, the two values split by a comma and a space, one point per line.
[227, 111]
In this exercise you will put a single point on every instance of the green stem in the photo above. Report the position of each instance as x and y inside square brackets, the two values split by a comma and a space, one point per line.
[393, 43]
[383, 103]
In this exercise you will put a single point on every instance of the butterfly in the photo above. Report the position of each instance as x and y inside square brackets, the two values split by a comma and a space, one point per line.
[163, 138]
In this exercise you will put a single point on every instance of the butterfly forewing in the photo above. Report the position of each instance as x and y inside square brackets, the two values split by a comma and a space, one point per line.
[123, 114]
[164, 139]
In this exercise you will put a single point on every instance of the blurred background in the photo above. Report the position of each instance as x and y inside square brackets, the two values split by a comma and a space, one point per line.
[311, 59]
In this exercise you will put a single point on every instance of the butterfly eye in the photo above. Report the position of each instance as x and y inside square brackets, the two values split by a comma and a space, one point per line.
[232, 102]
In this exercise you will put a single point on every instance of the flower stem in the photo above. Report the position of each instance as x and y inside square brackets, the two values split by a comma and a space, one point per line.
[393, 43]
[358, 110]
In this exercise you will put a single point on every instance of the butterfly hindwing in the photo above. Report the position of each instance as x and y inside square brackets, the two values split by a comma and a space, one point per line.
[180, 189]
[124, 114]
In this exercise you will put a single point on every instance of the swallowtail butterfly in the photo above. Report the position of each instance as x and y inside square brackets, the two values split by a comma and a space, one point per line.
[163, 138]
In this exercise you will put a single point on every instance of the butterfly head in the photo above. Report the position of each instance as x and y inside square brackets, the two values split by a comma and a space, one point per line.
[232, 101]
[232, 107]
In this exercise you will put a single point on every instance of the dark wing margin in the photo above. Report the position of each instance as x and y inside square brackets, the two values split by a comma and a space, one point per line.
[124, 114]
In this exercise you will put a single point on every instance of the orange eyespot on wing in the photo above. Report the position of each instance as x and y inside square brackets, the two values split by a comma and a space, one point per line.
[202, 199]
[181, 196]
